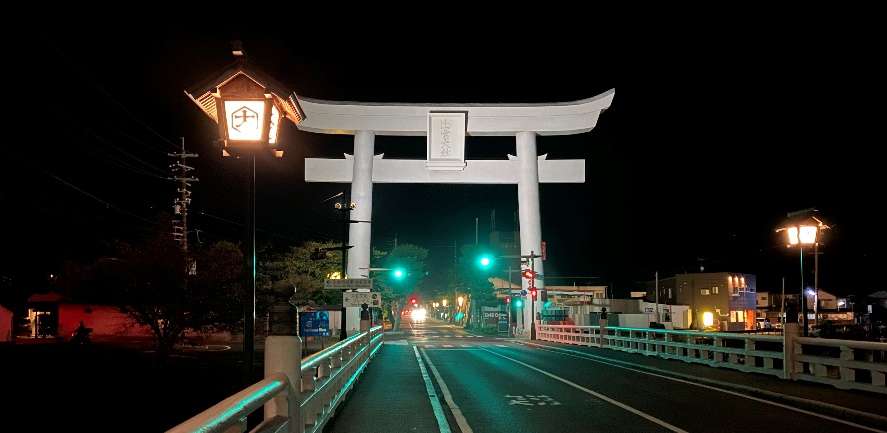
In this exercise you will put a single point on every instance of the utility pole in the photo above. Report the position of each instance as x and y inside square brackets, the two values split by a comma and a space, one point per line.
[531, 258]
[180, 173]
[782, 307]
[657, 296]
[476, 219]
[816, 281]
[345, 206]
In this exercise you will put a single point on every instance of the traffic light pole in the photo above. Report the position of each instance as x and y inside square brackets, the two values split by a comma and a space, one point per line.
[532, 295]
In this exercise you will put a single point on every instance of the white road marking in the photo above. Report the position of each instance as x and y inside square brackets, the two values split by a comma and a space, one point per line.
[501, 345]
[590, 357]
[465, 345]
[448, 345]
[442, 424]
[454, 408]
[644, 415]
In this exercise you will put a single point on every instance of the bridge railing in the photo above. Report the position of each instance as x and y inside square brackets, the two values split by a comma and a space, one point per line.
[298, 395]
[842, 363]
[845, 364]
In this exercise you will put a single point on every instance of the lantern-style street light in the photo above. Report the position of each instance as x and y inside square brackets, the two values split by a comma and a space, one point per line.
[805, 232]
[248, 107]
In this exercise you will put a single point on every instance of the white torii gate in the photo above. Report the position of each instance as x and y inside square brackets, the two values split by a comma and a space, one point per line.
[445, 127]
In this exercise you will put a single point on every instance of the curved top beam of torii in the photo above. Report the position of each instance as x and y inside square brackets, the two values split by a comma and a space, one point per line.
[561, 118]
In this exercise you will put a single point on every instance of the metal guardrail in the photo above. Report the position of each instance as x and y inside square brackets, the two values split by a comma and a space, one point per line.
[844, 364]
[298, 395]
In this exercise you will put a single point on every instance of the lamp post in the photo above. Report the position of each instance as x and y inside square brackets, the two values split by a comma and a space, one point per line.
[801, 233]
[248, 107]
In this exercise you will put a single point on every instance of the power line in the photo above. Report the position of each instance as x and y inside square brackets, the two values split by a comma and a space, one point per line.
[107, 94]
[240, 224]
[107, 204]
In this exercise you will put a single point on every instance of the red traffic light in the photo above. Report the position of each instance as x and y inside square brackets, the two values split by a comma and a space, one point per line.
[528, 274]
[533, 292]
[413, 301]
[508, 300]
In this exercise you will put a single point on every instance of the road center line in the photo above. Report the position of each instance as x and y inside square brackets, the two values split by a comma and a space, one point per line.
[644, 415]
[591, 357]
[442, 424]
[454, 408]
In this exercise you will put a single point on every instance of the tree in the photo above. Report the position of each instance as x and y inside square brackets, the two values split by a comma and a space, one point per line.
[470, 278]
[410, 259]
[295, 272]
[155, 289]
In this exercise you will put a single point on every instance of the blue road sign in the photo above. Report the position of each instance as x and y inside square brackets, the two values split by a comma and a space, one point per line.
[523, 292]
[314, 324]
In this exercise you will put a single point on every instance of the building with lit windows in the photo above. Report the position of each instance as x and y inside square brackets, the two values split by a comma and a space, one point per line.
[721, 301]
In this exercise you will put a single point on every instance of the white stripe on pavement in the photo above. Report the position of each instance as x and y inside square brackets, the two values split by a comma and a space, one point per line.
[591, 357]
[442, 424]
[454, 409]
[644, 415]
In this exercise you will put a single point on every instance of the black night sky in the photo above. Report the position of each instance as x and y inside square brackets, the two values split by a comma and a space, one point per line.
[697, 162]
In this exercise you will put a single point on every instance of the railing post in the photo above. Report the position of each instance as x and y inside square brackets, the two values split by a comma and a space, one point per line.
[603, 331]
[283, 354]
[847, 374]
[789, 333]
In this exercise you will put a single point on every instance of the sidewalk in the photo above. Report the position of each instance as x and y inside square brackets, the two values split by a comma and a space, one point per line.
[389, 397]
[811, 396]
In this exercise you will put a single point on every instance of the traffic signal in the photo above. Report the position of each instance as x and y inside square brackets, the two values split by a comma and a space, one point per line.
[518, 303]
[528, 274]
[399, 273]
[484, 261]
[533, 292]
[507, 300]
[413, 300]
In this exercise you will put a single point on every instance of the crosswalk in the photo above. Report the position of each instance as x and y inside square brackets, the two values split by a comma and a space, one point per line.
[456, 346]
[435, 335]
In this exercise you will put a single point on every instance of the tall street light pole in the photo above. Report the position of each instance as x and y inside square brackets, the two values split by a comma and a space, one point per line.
[805, 232]
[249, 113]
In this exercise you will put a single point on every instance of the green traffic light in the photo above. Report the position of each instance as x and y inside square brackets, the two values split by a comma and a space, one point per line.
[518, 303]
[485, 261]
[399, 274]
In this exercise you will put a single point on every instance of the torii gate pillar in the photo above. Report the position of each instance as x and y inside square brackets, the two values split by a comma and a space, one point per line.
[359, 234]
[528, 210]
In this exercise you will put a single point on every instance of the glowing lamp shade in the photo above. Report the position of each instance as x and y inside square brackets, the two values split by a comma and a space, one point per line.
[444, 302]
[708, 319]
[460, 300]
[275, 121]
[807, 235]
[792, 235]
[245, 120]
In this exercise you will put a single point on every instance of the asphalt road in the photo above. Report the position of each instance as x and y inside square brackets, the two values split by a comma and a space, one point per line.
[435, 377]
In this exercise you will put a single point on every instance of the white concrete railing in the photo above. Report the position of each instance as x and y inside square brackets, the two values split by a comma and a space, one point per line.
[298, 395]
[843, 363]
[745, 352]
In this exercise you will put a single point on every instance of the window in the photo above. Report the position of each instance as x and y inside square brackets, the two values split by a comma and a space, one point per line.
[714, 290]
[704, 291]
[737, 316]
